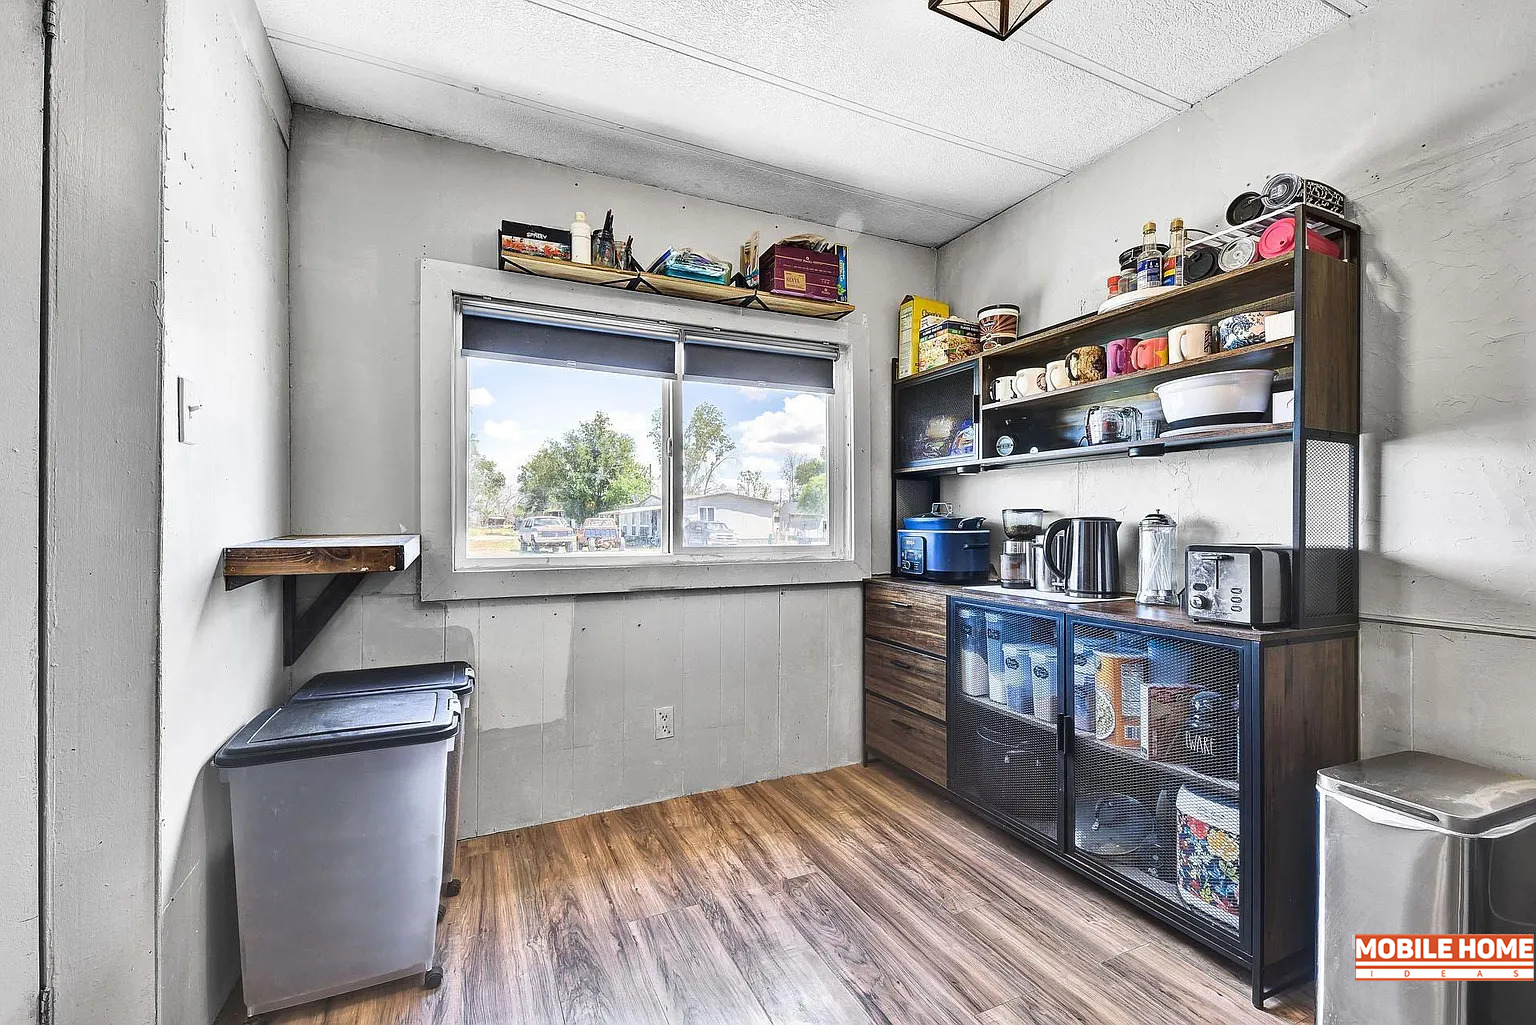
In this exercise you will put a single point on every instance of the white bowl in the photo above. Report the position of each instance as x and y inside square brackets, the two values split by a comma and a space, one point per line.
[1241, 395]
[1126, 299]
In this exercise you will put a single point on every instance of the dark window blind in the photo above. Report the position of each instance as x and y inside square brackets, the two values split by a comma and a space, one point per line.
[568, 344]
[759, 368]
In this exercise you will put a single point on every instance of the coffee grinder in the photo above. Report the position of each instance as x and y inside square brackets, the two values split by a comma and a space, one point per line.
[1021, 528]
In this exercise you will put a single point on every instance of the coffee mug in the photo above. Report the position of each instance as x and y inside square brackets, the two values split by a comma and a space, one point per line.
[1086, 364]
[1190, 341]
[1118, 356]
[1056, 376]
[1002, 389]
[1029, 381]
[1150, 353]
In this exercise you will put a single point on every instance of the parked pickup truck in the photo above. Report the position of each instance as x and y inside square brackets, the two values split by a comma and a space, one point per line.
[601, 534]
[546, 534]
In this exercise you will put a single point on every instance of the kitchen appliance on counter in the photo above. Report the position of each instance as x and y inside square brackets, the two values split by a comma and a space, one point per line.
[1021, 527]
[1157, 576]
[1245, 585]
[944, 547]
[1084, 551]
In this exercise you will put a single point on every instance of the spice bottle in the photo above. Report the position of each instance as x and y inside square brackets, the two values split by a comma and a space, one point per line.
[581, 239]
[1173, 263]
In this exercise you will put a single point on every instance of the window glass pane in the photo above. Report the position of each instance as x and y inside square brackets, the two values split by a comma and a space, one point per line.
[754, 466]
[562, 461]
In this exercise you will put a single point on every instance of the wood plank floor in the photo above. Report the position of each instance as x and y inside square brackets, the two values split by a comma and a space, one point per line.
[851, 896]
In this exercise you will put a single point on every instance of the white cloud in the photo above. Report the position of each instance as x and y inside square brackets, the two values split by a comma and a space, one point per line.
[637, 426]
[480, 397]
[505, 430]
[800, 428]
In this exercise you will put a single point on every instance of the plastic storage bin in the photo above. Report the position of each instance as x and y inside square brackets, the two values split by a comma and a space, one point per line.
[337, 809]
[458, 677]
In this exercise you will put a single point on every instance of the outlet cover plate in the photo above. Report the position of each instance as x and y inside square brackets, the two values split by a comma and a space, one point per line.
[665, 729]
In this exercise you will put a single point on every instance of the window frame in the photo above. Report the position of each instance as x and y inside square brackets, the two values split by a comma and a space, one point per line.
[447, 574]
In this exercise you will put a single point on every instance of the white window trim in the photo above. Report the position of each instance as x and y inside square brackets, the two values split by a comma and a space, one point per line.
[444, 574]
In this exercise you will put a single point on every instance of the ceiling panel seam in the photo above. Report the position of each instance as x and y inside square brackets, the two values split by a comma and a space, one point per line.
[1100, 71]
[575, 115]
[682, 49]
[1348, 8]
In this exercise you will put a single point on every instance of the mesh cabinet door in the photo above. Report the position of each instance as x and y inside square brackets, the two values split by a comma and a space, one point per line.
[1004, 710]
[1154, 769]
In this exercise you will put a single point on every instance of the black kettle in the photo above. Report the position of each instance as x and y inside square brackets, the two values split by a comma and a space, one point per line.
[1084, 551]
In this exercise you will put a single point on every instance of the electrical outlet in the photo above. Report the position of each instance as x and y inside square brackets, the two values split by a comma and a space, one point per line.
[664, 723]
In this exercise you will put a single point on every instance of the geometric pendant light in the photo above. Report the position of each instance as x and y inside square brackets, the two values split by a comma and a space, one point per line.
[998, 18]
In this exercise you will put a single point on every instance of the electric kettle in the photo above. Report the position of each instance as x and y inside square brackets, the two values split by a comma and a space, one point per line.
[1085, 552]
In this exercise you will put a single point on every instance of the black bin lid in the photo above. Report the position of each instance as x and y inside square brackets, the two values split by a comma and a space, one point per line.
[310, 729]
[458, 677]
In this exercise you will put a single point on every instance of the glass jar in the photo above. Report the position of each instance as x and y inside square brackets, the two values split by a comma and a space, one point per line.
[1157, 561]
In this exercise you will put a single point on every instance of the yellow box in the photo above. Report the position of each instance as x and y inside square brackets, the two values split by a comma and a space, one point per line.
[909, 326]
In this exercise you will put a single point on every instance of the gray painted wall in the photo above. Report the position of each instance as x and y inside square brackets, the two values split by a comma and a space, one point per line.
[226, 331]
[764, 682]
[103, 490]
[21, 199]
[1425, 114]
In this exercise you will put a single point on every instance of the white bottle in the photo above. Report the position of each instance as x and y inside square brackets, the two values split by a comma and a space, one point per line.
[581, 239]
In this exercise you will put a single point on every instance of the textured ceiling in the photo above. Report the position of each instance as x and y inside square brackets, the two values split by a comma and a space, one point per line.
[876, 115]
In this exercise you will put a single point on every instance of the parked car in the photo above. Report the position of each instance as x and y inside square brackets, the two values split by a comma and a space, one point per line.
[546, 533]
[601, 534]
[708, 534]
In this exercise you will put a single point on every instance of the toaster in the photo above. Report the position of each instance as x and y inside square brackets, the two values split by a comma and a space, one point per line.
[1240, 584]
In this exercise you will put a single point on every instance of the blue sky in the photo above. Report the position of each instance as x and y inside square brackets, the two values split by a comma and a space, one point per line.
[514, 407]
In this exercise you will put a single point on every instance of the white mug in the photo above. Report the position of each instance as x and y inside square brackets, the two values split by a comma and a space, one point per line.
[1189, 341]
[1003, 389]
[1056, 376]
[1029, 381]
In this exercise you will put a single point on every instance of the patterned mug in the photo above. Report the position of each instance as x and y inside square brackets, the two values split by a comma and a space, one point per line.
[1086, 364]
[1118, 356]
[1150, 353]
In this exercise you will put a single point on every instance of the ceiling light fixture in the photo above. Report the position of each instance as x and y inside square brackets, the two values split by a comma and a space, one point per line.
[1000, 18]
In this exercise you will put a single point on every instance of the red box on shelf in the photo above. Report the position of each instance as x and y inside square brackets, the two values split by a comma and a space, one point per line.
[803, 273]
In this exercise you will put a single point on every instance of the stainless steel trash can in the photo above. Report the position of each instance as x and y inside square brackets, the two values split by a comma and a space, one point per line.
[1413, 843]
[337, 809]
[458, 677]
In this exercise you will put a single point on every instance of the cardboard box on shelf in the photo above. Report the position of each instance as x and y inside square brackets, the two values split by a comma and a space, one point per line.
[803, 273]
[535, 240]
[909, 329]
[943, 340]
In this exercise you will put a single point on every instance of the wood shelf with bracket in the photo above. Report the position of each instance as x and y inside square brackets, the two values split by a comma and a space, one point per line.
[344, 558]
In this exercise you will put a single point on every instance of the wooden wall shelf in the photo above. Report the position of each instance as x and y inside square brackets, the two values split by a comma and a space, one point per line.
[345, 558]
[676, 288]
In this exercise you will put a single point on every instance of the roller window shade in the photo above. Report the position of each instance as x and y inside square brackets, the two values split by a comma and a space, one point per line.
[557, 343]
[802, 370]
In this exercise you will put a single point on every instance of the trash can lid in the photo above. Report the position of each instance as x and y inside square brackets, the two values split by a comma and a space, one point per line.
[458, 677]
[310, 729]
[1459, 796]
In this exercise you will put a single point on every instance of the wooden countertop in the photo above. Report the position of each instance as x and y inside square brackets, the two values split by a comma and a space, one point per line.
[1127, 611]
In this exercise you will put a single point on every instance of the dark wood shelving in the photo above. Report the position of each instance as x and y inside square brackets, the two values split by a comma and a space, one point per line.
[998, 708]
[1135, 756]
[1265, 356]
[1225, 437]
[939, 467]
[677, 288]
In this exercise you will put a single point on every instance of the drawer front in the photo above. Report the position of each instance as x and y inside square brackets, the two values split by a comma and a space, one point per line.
[905, 677]
[906, 738]
[913, 617]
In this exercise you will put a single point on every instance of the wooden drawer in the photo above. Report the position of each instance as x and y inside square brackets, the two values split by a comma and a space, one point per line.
[906, 738]
[914, 617]
[905, 677]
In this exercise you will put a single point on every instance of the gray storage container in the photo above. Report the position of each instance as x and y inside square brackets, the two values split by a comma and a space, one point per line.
[1414, 843]
[337, 808]
[458, 677]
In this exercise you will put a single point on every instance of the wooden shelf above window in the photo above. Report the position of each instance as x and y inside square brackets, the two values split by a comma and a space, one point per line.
[676, 288]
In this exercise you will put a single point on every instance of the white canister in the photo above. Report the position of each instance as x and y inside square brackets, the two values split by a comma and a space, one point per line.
[996, 689]
[973, 652]
[581, 239]
[1043, 664]
[1018, 692]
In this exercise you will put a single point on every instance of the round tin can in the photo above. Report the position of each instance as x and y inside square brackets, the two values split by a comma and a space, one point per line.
[999, 324]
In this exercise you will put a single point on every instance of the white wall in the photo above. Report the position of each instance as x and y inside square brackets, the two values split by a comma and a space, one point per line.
[21, 211]
[101, 532]
[1423, 113]
[226, 331]
[764, 682]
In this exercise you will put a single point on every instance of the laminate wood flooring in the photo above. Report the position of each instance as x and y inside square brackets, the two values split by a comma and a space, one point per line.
[850, 897]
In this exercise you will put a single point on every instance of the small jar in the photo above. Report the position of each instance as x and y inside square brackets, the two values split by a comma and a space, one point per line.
[1017, 569]
[1157, 561]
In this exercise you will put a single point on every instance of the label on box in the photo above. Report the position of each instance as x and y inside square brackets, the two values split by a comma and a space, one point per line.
[794, 280]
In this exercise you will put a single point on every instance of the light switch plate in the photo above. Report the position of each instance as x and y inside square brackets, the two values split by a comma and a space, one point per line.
[188, 405]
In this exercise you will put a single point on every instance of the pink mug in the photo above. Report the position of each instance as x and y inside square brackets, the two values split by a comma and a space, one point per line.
[1150, 353]
[1119, 356]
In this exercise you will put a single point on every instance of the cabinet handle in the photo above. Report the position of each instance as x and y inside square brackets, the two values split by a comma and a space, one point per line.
[900, 665]
[900, 605]
[904, 725]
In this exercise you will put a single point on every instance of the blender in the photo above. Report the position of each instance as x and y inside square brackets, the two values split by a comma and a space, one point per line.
[1021, 528]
